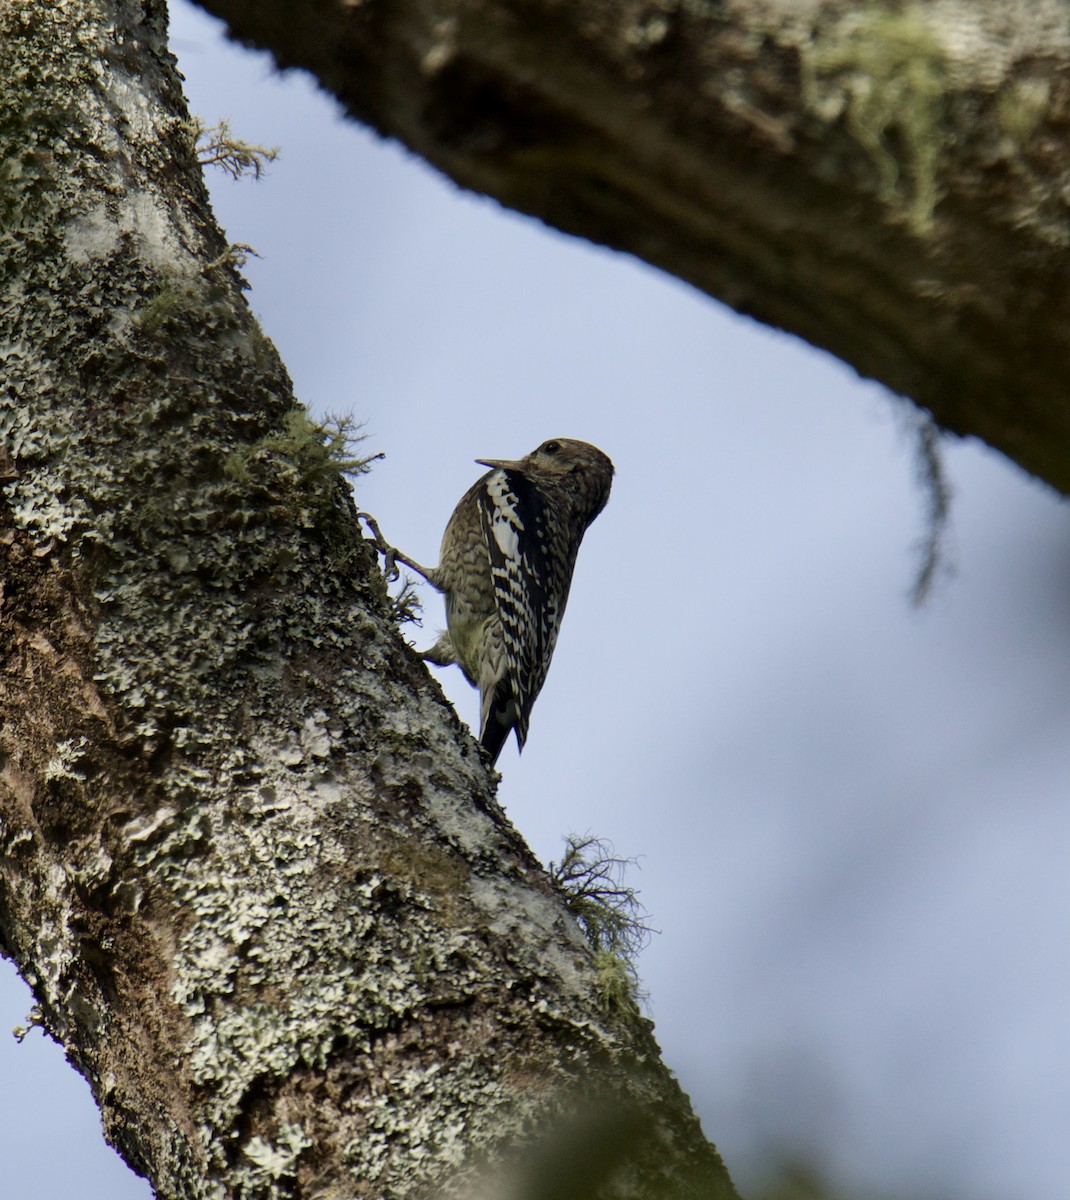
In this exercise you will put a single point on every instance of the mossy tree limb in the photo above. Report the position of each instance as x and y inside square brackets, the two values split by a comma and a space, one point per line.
[250, 862]
[887, 179]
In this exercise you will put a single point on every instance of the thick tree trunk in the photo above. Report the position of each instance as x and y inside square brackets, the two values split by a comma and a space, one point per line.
[250, 862]
[886, 179]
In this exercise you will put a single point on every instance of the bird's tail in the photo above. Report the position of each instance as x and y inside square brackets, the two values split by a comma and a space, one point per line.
[499, 715]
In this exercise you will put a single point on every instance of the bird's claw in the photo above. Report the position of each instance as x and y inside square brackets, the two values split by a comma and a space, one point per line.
[391, 570]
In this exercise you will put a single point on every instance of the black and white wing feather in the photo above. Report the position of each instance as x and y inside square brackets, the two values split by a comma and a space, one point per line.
[531, 571]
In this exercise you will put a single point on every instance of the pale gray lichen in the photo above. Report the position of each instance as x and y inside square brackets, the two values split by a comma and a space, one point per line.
[272, 1161]
[64, 762]
[369, 955]
[411, 1114]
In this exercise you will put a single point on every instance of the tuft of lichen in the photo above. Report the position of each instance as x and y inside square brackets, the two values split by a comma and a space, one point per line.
[216, 146]
[590, 878]
[885, 67]
[1021, 106]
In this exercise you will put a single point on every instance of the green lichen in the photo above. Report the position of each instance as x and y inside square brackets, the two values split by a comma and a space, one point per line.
[216, 146]
[886, 67]
[590, 879]
[616, 983]
[173, 302]
[1021, 105]
[314, 453]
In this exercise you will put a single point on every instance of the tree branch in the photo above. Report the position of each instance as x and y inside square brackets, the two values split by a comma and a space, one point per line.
[886, 181]
[251, 863]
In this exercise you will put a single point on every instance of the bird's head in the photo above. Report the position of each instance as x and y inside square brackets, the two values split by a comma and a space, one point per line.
[577, 468]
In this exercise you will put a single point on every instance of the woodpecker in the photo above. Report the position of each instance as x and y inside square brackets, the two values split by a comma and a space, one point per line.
[505, 569]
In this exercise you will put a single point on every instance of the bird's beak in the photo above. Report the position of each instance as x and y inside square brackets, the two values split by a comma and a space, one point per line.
[504, 464]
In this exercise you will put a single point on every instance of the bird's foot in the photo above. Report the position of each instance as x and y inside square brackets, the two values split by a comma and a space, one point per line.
[389, 553]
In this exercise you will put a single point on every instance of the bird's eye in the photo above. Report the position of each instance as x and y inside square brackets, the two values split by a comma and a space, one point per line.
[551, 447]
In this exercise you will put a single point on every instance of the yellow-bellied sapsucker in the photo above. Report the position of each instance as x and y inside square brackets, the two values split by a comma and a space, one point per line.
[505, 568]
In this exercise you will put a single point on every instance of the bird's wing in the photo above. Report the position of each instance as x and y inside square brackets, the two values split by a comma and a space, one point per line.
[530, 585]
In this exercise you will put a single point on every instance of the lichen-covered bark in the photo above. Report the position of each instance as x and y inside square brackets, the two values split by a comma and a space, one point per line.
[250, 862]
[886, 179]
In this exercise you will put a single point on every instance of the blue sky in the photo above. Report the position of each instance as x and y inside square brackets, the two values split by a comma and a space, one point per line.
[850, 816]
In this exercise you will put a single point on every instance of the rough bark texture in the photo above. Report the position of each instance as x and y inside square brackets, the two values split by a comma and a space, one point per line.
[250, 862]
[887, 179]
